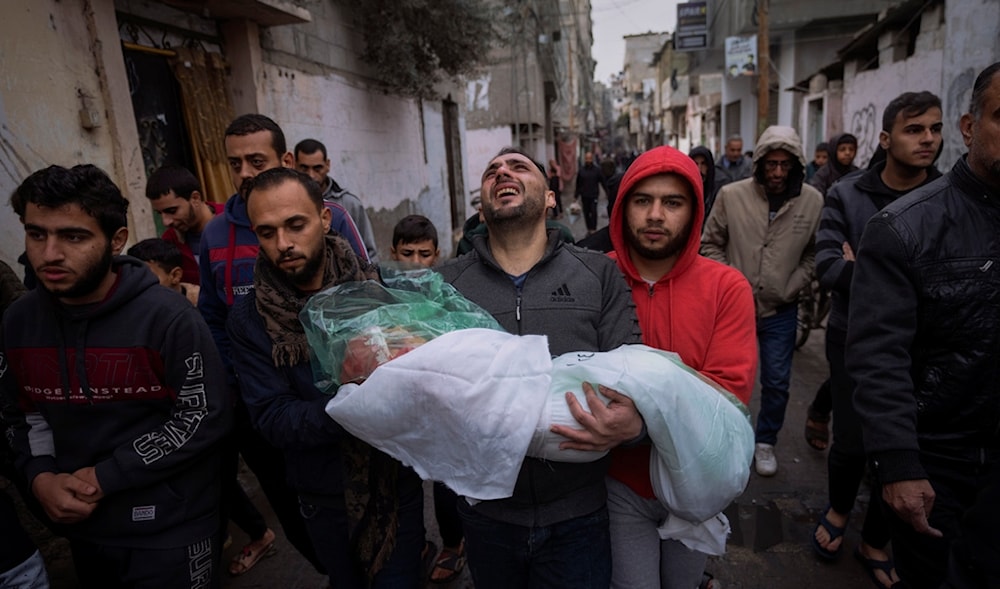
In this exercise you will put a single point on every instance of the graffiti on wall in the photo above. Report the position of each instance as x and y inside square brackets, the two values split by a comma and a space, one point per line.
[477, 94]
[865, 127]
[959, 94]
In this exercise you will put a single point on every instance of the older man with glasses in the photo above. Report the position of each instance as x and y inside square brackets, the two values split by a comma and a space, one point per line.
[765, 227]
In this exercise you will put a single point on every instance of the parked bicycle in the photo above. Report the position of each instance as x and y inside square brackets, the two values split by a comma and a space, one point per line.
[814, 306]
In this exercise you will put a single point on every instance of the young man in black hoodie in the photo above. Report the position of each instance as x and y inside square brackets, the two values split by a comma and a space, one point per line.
[121, 391]
[910, 137]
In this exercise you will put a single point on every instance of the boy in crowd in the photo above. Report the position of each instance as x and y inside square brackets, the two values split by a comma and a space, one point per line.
[415, 241]
[820, 157]
[166, 261]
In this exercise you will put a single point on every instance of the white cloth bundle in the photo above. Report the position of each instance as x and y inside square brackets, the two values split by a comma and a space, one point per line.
[466, 407]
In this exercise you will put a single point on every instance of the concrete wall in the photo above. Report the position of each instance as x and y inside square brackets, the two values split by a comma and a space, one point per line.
[948, 57]
[481, 146]
[866, 93]
[972, 44]
[61, 61]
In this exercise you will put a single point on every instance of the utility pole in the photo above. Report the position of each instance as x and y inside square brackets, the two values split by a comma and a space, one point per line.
[763, 68]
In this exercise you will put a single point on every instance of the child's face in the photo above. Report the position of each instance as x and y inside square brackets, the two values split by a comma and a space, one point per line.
[166, 278]
[846, 153]
[422, 253]
[821, 158]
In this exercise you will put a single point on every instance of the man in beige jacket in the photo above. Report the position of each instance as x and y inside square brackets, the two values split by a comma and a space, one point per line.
[764, 226]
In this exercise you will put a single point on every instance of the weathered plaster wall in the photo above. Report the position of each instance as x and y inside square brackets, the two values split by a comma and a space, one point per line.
[56, 63]
[867, 93]
[387, 150]
[481, 146]
[972, 44]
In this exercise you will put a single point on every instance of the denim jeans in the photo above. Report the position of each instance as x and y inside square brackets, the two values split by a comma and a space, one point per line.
[30, 574]
[327, 526]
[776, 341]
[575, 553]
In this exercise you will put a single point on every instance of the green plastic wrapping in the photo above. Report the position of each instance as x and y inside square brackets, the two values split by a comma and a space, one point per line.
[354, 327]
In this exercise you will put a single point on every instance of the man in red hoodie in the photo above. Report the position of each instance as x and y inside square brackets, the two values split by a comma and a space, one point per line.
[698, 308]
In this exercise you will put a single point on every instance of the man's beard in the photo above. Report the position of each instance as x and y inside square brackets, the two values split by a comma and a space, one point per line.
[672, 247]
[89, 280]
[528, 209]
[307, 272]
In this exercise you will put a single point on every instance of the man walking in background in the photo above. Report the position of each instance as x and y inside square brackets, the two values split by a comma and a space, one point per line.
[176, 195]
[588, 189]
[311, 158]
[764, 226]
[733, 165]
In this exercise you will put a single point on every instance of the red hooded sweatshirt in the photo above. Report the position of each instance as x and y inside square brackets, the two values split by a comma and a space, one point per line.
[701, 309]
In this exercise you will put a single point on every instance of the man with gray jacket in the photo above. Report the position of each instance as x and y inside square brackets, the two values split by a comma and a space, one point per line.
[764, 226]
[553, 531]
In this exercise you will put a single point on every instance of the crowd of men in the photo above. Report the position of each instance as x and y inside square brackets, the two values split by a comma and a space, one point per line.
[127, 406]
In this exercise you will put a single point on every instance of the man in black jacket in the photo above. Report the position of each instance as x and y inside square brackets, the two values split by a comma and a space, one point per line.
[588, 189]
[910, 138]
[923, 345]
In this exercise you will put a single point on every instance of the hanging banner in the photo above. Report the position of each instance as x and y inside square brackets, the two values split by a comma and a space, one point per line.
[741, 56]
[692, 26]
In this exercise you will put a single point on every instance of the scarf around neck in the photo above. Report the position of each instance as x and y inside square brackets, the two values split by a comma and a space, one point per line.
[279, 301]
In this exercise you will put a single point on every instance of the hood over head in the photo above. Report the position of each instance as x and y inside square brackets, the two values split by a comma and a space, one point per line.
[710, 176]
[659, 160]
[786, 138]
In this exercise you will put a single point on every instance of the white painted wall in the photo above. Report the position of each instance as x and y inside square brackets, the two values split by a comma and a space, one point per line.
[972, 44]
[867, 93]
[50, 63]
[480, 147]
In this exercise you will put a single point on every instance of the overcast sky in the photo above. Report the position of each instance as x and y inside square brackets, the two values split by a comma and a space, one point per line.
[613, 19]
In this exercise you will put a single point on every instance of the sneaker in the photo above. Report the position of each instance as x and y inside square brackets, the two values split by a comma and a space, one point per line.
[764, 460]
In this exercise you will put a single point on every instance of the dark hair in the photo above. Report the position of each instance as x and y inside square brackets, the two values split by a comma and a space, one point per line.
[519, 151]
[86, 186]
[414, 228]
[255, 123]
[845, 138]
[163, 253]
[911, 104]
[310, 146]
[983, 80]
[171, 178]
[824, 146]
[277, 176]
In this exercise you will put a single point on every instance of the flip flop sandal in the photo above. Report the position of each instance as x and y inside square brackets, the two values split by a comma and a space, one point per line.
[707, 581]
[834, 533]
[872, 567]
[817, 431]
[247, 558]
[452, 561]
